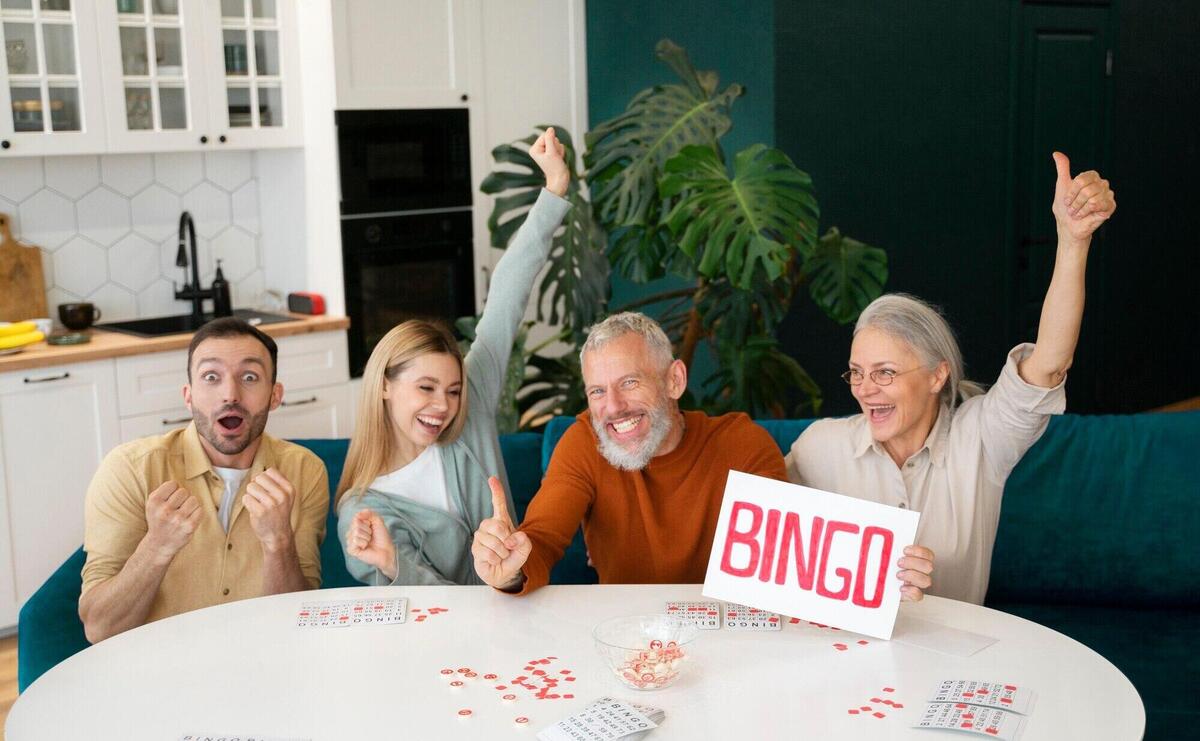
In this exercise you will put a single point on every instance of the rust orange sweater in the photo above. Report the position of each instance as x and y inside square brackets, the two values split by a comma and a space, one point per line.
[653, 526]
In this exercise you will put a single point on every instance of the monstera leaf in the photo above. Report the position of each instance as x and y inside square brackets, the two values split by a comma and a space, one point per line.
[845, 275]
[756, 376]
[732, 227]
[577, 280]
[626, 154]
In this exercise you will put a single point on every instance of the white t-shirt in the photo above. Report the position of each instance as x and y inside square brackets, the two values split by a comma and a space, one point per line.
[233, 481]
[422, 480]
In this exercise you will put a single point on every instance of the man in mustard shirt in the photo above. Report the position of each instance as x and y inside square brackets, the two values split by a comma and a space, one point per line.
[212, 513]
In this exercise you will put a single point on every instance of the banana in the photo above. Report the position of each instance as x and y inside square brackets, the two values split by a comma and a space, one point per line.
[20, 340]
[17, 328]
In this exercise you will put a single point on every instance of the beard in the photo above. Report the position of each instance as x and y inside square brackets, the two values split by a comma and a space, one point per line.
[255, 424]
[638, 458]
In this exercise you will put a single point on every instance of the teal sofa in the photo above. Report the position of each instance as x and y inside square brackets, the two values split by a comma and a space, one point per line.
[1097, 539]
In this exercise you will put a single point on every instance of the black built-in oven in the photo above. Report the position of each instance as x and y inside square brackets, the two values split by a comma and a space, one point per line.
[407, 239]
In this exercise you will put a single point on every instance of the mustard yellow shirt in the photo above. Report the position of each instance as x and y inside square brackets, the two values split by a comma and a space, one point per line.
[214, 567]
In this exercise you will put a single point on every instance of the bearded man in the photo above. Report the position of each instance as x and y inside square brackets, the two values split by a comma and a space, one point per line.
[644, 478]
[215, 512]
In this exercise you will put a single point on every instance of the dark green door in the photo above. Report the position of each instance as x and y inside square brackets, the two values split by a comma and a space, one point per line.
[1063, 65]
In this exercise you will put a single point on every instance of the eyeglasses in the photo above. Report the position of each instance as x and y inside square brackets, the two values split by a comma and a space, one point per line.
[881, 377]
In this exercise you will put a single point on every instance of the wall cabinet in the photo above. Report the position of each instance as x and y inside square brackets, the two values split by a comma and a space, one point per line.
[149, 75]
[404, 55]
[57, 424]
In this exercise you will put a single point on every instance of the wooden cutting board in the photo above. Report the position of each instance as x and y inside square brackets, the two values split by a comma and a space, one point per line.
[22, 286]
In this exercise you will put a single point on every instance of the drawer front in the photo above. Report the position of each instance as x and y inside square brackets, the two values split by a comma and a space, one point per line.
[312, 360]
[151, 383]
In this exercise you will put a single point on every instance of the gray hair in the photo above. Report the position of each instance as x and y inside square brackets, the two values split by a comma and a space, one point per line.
[630, 322]
[922, 327]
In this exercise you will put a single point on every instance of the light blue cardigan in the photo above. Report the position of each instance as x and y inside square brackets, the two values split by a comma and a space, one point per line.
[434, 546]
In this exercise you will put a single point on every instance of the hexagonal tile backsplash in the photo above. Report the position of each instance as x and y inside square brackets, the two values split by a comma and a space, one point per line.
[107, 225]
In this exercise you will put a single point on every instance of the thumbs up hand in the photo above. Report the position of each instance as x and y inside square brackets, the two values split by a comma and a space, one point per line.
[499, 549]
[1081, 204]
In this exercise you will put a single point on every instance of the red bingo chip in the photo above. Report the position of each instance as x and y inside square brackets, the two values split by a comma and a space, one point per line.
[464, 670]
[447, 671]
[456, 683]
[490, 676]
[852, 711]
[464, 712]
[522, 720]
[888, 689]
[470, 675]
[877, 714]
[863, 643]
[509, 697]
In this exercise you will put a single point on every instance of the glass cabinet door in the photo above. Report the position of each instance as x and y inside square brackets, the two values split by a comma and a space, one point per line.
[250, 45]
[48, 45]
[255, 44]
[153, 56]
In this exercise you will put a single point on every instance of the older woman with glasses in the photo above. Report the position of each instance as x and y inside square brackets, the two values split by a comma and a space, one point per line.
[931, 441]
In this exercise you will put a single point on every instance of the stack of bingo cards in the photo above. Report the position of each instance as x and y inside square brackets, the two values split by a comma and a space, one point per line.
[989, 709]
[606, 719]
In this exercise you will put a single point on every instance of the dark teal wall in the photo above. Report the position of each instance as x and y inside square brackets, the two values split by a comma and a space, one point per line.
[735, 38]
[906, 118]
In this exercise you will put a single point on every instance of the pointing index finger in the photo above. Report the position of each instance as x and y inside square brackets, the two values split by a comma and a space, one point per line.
[499, 501]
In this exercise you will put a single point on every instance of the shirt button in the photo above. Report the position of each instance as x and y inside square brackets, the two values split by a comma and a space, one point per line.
[229, 546]
[909, 464]
[225, 591]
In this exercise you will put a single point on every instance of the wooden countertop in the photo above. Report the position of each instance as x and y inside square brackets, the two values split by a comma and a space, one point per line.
[106, 344]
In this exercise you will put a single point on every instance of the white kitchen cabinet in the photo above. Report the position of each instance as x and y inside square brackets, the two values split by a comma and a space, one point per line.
[56, 425]
[411, 54]
[51, 97]
[200, 74]
[149, 76]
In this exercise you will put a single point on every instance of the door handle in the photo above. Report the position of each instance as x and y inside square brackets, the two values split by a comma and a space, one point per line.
[48, 379]
[298, 403]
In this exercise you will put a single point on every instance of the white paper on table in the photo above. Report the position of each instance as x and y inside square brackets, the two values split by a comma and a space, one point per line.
[860, 597]
[941, 638]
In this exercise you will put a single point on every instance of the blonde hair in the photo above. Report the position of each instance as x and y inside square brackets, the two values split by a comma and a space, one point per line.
[922, 327]
[373, 443]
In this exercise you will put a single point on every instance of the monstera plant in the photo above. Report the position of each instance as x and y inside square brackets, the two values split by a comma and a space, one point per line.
[659, 198]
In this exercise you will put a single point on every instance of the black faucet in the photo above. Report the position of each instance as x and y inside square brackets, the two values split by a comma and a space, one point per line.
[192, 291]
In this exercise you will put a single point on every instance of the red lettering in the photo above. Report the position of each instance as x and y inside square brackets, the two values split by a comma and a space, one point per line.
[831, 529]
[768, 557]
[884, 559]
[805, 568]
[734, 536]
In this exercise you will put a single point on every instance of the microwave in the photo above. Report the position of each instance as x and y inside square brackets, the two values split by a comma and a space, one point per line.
[403, 160]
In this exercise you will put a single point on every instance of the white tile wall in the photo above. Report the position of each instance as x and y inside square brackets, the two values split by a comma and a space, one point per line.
[107, 225]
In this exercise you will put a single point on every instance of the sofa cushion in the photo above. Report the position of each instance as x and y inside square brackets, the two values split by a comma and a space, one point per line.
[1102, 510]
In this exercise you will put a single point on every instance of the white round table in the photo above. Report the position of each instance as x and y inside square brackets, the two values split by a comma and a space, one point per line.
[246, 669]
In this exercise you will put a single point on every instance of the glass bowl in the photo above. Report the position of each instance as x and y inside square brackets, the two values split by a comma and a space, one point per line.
[645, 652]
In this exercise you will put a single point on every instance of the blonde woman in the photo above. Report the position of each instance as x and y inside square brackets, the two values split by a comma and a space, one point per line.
[415, 485]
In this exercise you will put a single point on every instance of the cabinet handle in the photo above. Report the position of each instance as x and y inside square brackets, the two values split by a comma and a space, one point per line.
[47, 379]
[221, 138]
[181, 420]
[298, 403]
[5, 144]
[204, 140]
[464, 98]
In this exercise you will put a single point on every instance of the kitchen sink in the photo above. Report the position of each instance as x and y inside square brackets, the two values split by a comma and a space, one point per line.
[183, 323]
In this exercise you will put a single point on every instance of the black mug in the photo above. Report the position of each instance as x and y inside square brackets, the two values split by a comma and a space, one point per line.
[78, 316]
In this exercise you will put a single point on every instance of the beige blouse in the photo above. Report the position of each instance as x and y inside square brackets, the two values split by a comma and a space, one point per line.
[955, 481]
